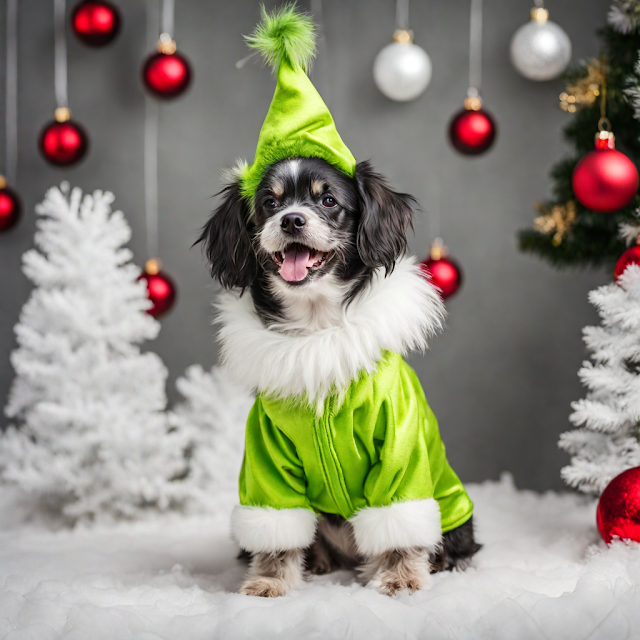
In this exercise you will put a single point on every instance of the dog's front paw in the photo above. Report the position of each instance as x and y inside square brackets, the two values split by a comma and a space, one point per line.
[391, 572]
[264, 587]
[389, 583]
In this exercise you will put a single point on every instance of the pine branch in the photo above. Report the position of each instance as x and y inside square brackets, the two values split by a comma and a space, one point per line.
[593, 239]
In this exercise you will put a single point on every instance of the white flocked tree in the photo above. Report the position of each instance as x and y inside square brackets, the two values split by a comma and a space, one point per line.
[605, 442]
[91, 436]
[212, 418]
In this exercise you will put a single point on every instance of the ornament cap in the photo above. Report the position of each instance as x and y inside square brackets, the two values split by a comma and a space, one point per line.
[605, 140]
[438, 250]
[3, 182]
[403, 36]
[62, 114]
[539, 15]
[473, 103]
[166, 44]
[152, 266]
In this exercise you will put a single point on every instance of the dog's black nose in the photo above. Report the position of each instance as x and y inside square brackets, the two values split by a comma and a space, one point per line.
[293, 223]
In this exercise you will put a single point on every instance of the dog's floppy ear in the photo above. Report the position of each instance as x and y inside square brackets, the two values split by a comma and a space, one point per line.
[227, 243]
[385, 219]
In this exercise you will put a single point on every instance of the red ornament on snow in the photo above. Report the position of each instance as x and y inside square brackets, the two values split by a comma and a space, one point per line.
[10, 207]
[95, 22]
[63, 142]
[630, 256]
[166, 74]
[472, 131]
[160, 288]
[618, 514]
[605, 180]
[445, 272]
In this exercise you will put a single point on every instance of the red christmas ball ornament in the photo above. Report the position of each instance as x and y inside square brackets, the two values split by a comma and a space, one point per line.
[160, 288]
[166, 74]
[96, 23]
[630, 256]
[445, 273]
[605, 180]
[618, 514]
[63, 142]
[10, 207]
[472, 131]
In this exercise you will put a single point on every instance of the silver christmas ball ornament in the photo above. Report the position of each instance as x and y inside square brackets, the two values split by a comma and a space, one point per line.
[402, 70]
[540, 50]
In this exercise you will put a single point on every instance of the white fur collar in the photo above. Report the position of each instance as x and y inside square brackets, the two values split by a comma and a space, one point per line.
[395, 313]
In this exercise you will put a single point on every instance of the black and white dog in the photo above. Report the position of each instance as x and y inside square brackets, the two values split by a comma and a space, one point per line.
[319, 252]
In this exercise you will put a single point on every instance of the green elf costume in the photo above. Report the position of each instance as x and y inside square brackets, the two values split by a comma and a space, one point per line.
[340, 424]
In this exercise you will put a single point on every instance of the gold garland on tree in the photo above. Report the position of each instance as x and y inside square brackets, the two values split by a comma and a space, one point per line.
[584, 92]
[557, 220]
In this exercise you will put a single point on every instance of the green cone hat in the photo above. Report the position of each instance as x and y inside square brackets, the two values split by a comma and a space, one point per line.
[298, 123]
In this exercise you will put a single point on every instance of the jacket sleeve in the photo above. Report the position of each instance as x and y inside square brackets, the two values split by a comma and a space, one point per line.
[274, 512]
[401, 510]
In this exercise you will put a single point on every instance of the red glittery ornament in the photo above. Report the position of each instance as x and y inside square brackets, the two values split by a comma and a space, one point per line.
[95, 22]
[618, 514]
[605, 180]
[166, 74]
[10, 207]
[630, 256]
[445, 272]
[63, 142]
[472, 131]
[160, 288]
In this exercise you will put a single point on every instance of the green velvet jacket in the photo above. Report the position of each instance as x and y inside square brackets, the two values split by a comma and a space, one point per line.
[377, 445]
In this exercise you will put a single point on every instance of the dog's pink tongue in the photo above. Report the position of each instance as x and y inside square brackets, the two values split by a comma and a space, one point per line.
[294, 266]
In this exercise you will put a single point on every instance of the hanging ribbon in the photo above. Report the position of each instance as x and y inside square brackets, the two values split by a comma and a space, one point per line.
[402, 14]
[11, 93]
[475, 49]
[60, 54]
[151, 131]
[168, 17]
[323, 83]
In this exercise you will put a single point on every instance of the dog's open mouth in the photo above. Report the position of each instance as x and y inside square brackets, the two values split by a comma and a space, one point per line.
[297, 259]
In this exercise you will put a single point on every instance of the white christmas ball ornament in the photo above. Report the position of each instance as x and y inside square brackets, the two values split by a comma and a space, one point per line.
[402, 70]
[540, 50]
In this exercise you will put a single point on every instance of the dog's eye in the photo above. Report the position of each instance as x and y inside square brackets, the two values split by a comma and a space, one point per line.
[270, 203]
[328, 201]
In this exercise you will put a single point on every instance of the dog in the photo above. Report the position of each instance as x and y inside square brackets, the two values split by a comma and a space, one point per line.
[316, 271]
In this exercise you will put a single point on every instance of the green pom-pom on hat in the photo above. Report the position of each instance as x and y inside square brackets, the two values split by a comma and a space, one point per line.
[286, 34]
[298, 123]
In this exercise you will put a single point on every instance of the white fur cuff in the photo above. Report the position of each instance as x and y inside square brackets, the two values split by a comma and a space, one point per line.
[398, 526]
[265, 529]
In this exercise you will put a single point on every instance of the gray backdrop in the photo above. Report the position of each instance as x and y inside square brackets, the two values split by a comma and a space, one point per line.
[502, 376]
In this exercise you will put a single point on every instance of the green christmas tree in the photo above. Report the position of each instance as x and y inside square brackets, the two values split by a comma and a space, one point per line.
[566, 233]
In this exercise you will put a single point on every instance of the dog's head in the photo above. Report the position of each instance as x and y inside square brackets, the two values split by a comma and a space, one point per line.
[308, 220]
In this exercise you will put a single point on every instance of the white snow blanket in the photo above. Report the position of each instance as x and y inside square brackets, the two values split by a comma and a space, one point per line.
[541, 574]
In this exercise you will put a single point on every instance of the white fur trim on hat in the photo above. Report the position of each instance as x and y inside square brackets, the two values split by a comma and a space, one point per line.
[400, 525]
[265, 529]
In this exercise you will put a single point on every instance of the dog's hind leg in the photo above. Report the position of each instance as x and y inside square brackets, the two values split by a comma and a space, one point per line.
[318, 559]
[457, 550]
[334, 546]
